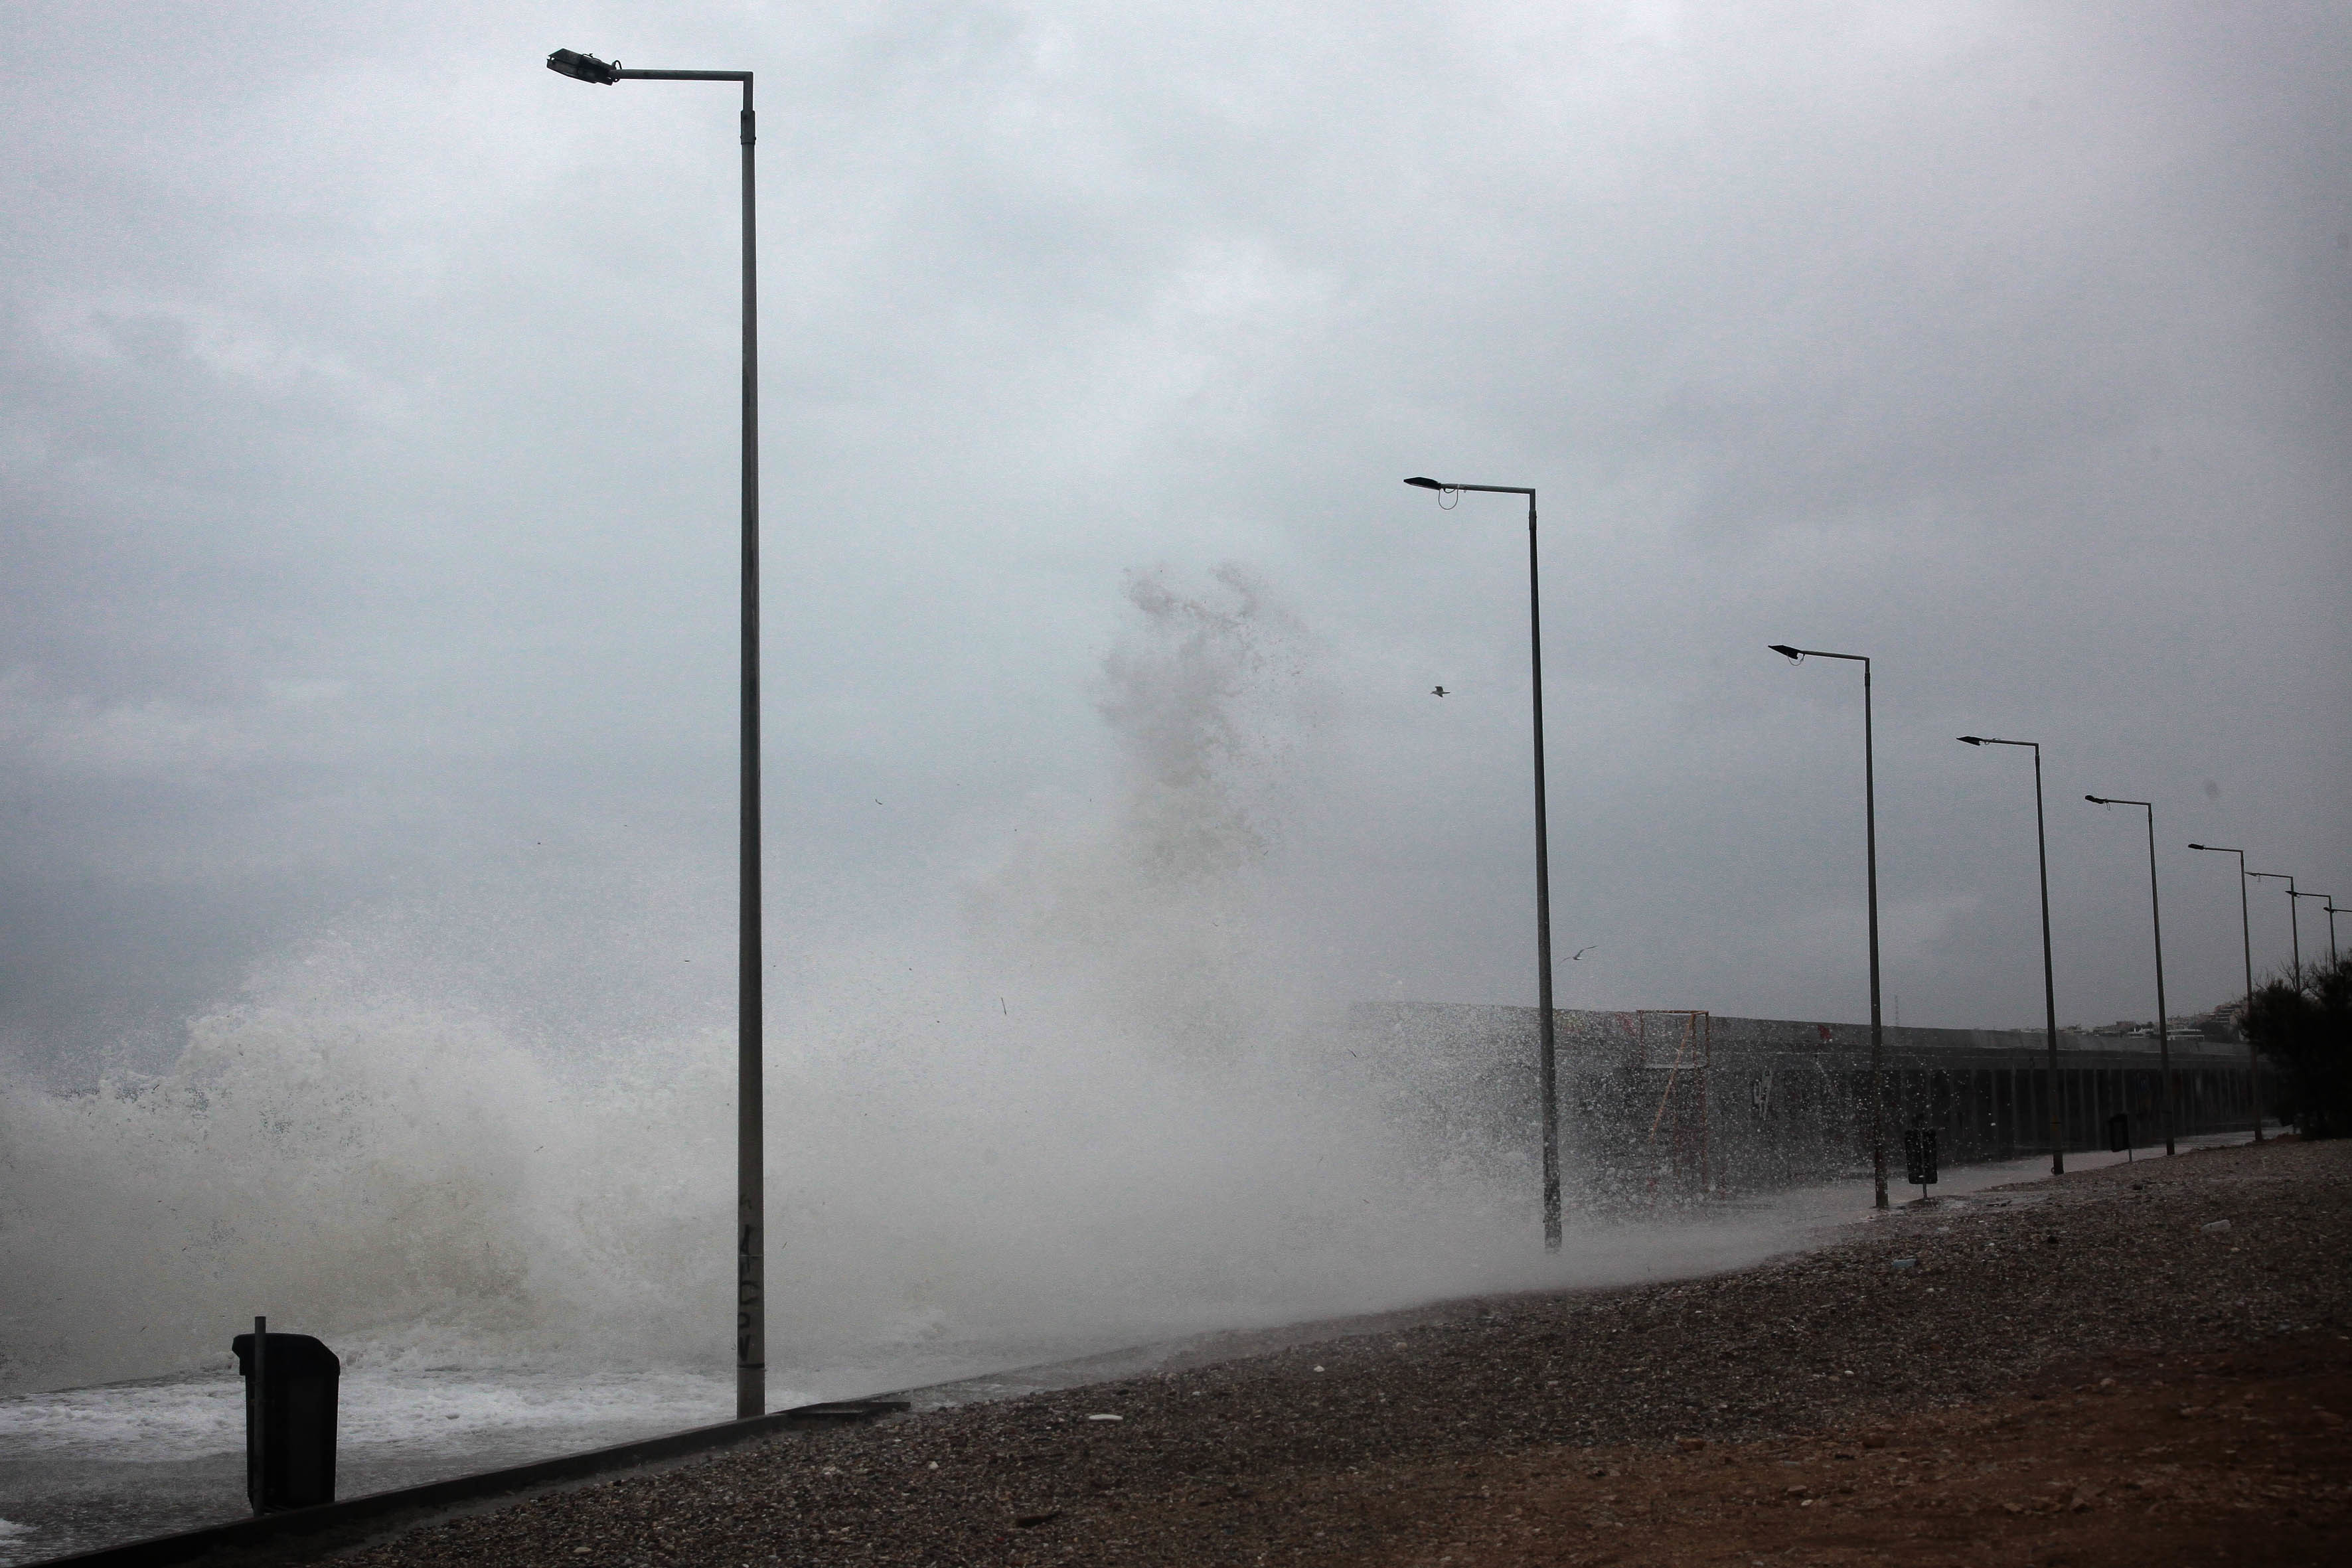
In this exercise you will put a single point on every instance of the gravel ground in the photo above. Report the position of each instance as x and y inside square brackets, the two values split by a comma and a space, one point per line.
[2237, 1456]
[1304, 1455]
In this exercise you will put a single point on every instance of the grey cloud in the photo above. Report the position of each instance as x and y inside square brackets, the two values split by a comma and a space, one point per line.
[366, 447]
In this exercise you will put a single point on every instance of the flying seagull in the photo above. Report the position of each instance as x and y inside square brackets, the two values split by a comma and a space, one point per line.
[1580, 951]
[1437, 691]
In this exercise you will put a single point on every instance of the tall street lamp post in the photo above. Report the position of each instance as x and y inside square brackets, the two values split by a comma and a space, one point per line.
[2156, 913]
[1870, 861]
[1547, 1070]
[2293, 927]
[2327, 902]
[2246, 941]
[2332, 912]
[2049, 983]
[751, 1288]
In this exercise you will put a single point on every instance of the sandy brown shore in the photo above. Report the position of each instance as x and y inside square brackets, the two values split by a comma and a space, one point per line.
[2094, 1369]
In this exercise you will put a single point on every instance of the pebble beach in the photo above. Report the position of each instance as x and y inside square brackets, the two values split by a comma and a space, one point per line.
[2141, 1363]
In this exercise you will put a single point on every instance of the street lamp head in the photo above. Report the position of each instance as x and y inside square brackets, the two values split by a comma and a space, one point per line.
[2098, 800]
[584, 68]
[1424, 484]
[1972, 739]
[1794, 655]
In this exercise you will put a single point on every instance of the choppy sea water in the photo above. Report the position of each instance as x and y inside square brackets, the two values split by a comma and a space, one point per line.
[94, 1467]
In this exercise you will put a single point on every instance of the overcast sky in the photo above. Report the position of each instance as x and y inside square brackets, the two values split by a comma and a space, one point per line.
[366, 474]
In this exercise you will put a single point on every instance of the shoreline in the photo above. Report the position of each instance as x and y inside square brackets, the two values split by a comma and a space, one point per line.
[1289, 1451]
[1780, 1227]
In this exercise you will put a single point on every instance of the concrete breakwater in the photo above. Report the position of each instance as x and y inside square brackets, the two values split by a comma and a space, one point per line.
[1674, 1105]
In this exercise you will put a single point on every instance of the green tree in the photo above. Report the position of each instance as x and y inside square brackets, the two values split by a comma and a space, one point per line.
[2306, 1032]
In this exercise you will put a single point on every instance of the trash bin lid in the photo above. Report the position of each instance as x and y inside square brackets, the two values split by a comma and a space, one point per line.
[290, 1355]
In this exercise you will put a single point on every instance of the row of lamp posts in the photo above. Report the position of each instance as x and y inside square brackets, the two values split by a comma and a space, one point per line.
[751, 1328]
[2246, 938]
[2049, 985]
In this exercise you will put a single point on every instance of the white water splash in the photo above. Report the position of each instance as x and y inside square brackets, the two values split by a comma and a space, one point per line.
[1163, 1136]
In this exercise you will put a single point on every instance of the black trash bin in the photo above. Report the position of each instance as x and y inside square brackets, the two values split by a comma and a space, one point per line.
[2120, 1132]
[1919, 1157]
[289, 1419]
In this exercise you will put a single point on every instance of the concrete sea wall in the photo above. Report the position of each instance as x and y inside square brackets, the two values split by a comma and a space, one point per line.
[1679, 1105]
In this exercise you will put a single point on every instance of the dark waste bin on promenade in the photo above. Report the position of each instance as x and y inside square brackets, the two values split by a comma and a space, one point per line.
[1919, 1157]
[2120, 1132]
[289, 1418]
